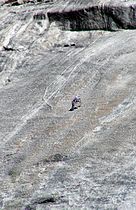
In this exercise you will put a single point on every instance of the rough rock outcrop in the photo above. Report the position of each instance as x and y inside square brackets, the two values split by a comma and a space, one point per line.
[98, 17]
[51, 158]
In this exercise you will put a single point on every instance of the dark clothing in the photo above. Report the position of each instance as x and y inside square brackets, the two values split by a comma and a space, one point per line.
[76, 102]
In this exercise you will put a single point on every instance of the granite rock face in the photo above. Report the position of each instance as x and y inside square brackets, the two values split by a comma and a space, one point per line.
[51, 158]
[97, 17]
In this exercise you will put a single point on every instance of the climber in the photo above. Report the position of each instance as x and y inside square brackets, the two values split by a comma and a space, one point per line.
[76, 102]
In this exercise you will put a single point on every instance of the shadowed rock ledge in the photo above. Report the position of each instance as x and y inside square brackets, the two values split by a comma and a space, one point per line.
[103, 17]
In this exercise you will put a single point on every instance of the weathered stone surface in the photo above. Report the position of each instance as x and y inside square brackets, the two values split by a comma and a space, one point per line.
[107, 17]
[51, 158]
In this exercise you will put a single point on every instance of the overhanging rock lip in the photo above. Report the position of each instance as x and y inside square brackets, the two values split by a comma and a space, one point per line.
[74, 7]
[104, 17]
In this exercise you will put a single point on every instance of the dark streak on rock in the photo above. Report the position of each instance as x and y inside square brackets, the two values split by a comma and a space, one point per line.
[53, 159]
[57, 158]
[45, 200]
[39, 16]
[8, 48]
